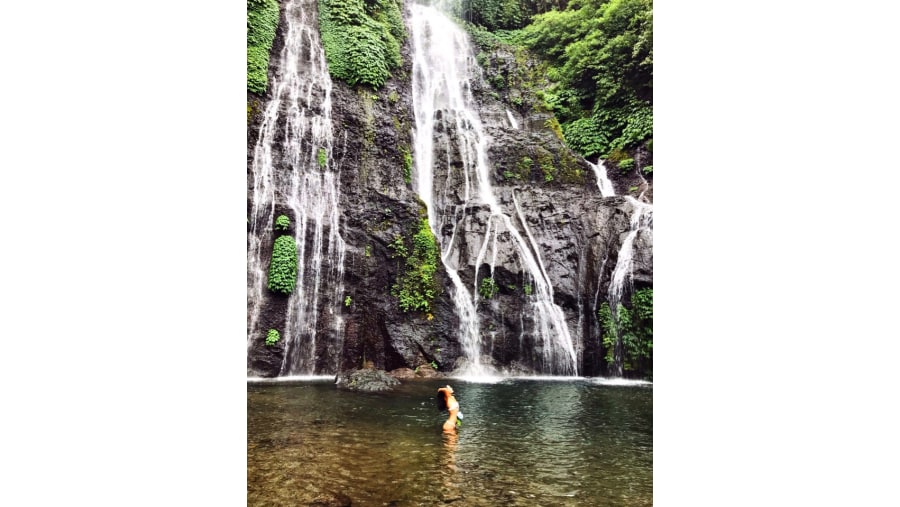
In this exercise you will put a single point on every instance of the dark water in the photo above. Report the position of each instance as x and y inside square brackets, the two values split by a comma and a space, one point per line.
[522, 442]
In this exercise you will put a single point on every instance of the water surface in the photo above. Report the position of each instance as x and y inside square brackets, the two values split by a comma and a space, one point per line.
[523, 442]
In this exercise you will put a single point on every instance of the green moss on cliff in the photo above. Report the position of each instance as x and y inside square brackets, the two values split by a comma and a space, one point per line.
[361, 39]
[262, 21]
[417, 286]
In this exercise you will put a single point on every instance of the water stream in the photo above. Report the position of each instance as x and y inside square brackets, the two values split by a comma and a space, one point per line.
[621, 280]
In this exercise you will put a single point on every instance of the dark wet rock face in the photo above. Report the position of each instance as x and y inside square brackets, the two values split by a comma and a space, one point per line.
[539, 183]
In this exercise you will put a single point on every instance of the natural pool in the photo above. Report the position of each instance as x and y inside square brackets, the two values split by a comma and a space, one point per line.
[535, 442]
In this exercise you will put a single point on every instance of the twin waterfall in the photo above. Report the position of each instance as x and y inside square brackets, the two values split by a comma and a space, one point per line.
[293, 173]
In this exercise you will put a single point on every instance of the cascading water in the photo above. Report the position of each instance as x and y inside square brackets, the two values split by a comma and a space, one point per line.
[292, 167]
[512, 120]
[443, 72]
[641, 219]
[603, 182]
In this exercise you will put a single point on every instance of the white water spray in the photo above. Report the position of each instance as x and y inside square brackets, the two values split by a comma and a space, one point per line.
[292, 165]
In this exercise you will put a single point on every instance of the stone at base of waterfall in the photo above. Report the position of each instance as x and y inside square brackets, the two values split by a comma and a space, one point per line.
[331, 500]
[402, 373]
[366, 380]
[427, 371]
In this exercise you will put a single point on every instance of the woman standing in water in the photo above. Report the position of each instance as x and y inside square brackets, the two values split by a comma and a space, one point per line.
[446, 401]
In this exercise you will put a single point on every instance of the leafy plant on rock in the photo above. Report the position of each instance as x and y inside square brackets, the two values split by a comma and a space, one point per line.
[272, 337]
[282, 223]
[283, 267]
[417, 285]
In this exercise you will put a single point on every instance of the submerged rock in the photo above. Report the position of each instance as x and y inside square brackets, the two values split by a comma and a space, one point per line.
[331, 500]
[366, 380]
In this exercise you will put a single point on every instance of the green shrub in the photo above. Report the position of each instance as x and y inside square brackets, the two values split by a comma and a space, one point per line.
[585, 136]
[322, 157]
[647, 169]
[282, 223]
[283, 268]
[626, 165]
[262, 21]
[272, 337]
[399, 247]
[417, 285]
[634, 327]
[527, 289]
[601, 63]
[348, 301]
[524, 167]
[407, 164]
[361, 39]
[488, 288]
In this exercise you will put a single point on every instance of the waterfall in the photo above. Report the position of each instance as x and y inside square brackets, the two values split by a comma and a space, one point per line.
[292, 167]
[641, 219]
[444, 69]
[512, 120]
[603, 182]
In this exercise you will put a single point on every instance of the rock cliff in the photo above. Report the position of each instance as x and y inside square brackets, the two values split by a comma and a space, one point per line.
[576, 233]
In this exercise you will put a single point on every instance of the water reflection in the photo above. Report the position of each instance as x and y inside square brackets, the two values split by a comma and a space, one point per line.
[521, 443]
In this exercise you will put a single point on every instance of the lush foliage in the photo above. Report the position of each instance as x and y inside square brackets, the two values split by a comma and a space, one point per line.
[282, 223]
[488, 288]
[602, 57]
[417, 286]
[322, 158]
[361, 39]
[504, 14]
[407, 164]
[272, 337]
[262, 20]
[283, 268]
[634, 327]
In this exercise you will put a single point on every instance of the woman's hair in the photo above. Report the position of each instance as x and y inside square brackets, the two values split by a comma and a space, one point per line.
[441, 398]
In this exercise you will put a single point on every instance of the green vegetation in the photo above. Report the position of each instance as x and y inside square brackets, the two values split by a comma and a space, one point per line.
[282, 223]
[523, 166]
[272, 337]
[348, 301]
[417, 286]
[635, 328]
[407, 164]
[283, 268]
[601, 56]
[368, 250]
[399, 247]
[361, 39]
[626, 165]
[488, 288]
[527, 289]
[322, 157]
[262, 21]
[647, 169]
